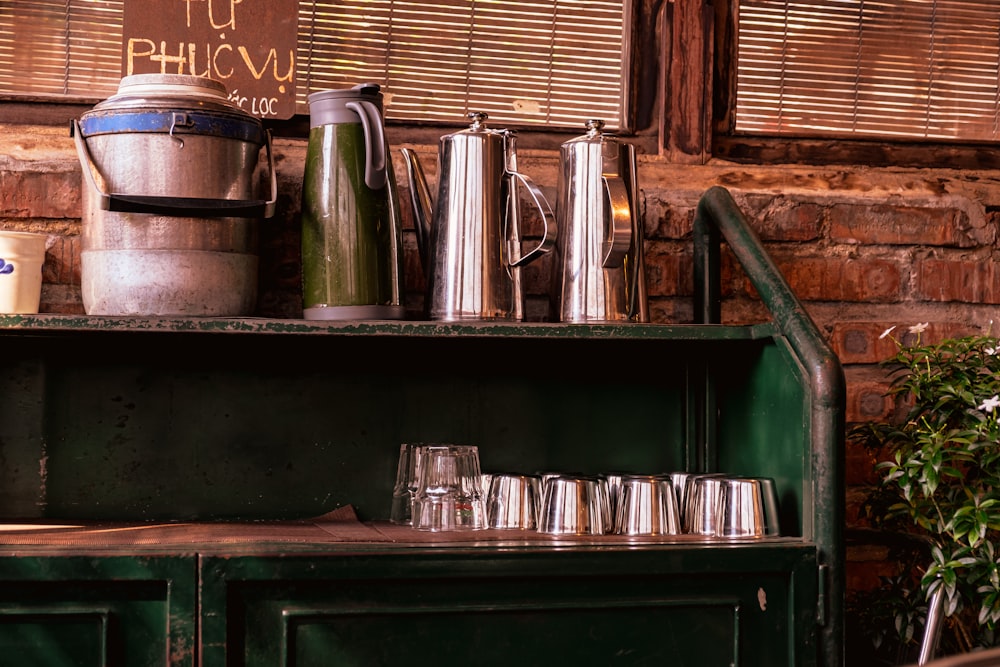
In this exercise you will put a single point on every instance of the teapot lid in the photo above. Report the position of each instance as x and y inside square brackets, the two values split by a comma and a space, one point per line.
[594, 134]
[477, 130]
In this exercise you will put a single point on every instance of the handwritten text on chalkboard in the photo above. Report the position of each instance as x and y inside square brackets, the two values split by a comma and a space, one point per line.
[249, 45]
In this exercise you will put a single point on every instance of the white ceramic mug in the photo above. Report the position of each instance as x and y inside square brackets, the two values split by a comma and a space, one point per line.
[21, 257]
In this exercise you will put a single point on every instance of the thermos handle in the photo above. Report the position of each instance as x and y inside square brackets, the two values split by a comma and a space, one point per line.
[195, 207]
[618, 238]
[548, 221]
[371, 121]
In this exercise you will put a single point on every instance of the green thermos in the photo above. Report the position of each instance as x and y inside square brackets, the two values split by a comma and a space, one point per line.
[351, 228]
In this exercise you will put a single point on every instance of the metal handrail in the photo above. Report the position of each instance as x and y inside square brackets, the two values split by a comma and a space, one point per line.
[719, 217]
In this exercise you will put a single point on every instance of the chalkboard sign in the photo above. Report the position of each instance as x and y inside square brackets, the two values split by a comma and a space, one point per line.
[248, 45]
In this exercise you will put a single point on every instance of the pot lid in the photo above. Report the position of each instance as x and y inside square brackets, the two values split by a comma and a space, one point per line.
[157, 91]
[174, 104]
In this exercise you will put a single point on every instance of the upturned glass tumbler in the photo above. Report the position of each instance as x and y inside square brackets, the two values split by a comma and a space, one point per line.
[449, 493]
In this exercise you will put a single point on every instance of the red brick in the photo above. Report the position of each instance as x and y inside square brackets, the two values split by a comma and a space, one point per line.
[866, 564]
[413, 267]
[841, 279]
[665, 220]
[669, 271]
[866, 401]
[36, 194]
[536, 276]
[62, 261]
[64, 299]
[859, 466]
[900, 225]
[966, 280]
[671, 311]
[860, 342]
[784, 219]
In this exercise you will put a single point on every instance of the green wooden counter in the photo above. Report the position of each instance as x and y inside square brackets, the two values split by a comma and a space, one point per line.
[342, 592]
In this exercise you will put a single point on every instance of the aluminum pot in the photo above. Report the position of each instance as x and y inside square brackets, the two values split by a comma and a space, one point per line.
[170, 214]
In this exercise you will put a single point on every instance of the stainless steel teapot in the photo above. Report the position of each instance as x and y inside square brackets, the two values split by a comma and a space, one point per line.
[469, 238]
[599, 273]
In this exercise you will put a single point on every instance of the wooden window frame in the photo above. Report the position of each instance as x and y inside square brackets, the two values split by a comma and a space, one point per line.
[679, 104]
[790, 149]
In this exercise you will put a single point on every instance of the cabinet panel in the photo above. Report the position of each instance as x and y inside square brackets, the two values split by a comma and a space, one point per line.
[679, 606]
[115, 611]
[51, 636]
[588, 632]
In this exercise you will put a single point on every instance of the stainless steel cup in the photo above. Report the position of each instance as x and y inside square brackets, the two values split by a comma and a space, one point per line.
[647, 506]
[681, 482]
[741, 508]
[701, 511]
[573, 506]
[613, 481]
[604, 500]
[513, 502]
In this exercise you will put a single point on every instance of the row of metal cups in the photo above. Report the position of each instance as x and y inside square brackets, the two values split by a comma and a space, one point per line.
[441, 488]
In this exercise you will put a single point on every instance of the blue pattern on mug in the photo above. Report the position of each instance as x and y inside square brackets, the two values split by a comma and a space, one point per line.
[6, 267]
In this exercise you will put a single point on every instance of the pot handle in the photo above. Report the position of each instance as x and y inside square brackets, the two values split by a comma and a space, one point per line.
[548, 221]
[618, 238]
[194, 207]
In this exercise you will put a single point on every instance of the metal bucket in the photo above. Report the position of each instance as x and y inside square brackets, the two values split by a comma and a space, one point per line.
[169, 211]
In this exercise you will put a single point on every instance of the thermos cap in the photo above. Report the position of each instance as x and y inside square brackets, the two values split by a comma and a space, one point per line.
[330, 106]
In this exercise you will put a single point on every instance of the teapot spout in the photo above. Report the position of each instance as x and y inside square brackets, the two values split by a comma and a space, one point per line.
[420, 199]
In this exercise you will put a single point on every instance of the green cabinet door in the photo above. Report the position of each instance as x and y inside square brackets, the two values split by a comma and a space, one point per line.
[104, 611]
[677, 606]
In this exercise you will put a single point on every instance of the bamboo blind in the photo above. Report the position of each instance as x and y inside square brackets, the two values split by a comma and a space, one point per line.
[555, 63]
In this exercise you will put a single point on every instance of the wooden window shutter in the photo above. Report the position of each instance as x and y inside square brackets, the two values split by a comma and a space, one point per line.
[925, 69]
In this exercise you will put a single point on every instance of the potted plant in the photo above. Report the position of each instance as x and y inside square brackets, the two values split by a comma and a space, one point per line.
[938, 501]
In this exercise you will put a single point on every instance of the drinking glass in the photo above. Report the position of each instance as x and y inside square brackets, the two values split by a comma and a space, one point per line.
[449, 494]
[407, 476]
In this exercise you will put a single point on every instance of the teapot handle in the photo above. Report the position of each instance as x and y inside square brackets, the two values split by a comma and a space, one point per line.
[618, 237]
[371, 121]
[548, 221]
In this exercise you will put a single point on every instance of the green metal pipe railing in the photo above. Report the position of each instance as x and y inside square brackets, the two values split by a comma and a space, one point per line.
[718, 217]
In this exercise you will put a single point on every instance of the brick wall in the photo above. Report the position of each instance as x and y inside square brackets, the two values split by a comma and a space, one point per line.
[863, 248]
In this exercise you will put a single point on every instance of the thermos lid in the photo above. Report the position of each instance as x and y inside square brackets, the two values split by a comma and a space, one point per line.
[171, 104]
[330, 106]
